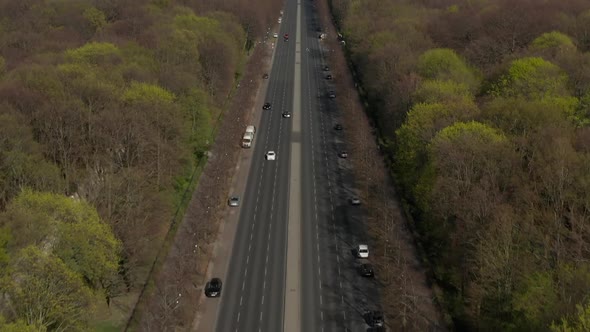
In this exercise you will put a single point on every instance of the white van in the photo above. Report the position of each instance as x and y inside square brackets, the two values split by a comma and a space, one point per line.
[247, 140]
[248, 137]
[251, 129]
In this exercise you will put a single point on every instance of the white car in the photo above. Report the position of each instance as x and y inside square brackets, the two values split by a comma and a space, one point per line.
[275, 35]
[270, 155]
[286, 114]
[280, 20]
[362, 251]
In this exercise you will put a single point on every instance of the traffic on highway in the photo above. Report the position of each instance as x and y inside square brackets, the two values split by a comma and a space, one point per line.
[299, 259]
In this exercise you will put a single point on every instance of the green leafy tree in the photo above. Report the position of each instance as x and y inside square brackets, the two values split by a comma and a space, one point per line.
[96, 18]
[95, 54]
[146, 94]
[45, 292]
[545, 297]
[422, 124]
[93, 89]
[461, 193]
[498, 260]
[517, 116]
[19, 326]
[578, 323]
[465, 156]
[230, 26]
[4, 256]
[140, 64]
[537, 300]
[21, 161]
[199, 111]
[67, 227]
[553, 40]
[582, 21]
[532, 78]
[42, 79]
[219, 61]
[58, 120]
[582, 114]
[445, 64]
[436, 91]
[164, 122]
[191, 22]
[218, 51]
[179, 49]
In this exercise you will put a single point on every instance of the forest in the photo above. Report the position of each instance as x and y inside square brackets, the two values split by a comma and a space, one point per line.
[482, 109]
[105, 109]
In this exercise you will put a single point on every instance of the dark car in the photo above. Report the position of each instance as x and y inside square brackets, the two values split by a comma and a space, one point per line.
[366, 270]
[286, 36]
[265, 76]
[376, 329]
[338, 126]
[332, 94]
[326, 68]
[328, 77]
[266, 106]
[343, 154]
[318, 29]
[374, 318]
[213, 288]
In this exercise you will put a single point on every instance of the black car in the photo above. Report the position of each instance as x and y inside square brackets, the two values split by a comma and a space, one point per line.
[266, 106]
[326, 68]
[366, 270]
[343, 154]
[265, 76]
[328, 77]
[332, 94]
[374, 318]
[338, 126]
[213, 288]
[376, 329]
[318, 29]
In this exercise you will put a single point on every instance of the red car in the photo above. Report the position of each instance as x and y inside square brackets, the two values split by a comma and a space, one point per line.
[286, 36]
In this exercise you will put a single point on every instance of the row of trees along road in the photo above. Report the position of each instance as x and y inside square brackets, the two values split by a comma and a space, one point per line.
[484, 110]
[105, 107]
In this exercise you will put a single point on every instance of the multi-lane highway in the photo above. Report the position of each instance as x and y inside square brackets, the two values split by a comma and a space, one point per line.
[291, 266]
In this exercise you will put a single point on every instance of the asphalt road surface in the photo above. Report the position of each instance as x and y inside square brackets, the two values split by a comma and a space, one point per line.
[334, 295]
[265, 278]
[253, 294]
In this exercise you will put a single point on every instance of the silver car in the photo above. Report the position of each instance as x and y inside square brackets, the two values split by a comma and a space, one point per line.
[234, 201]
